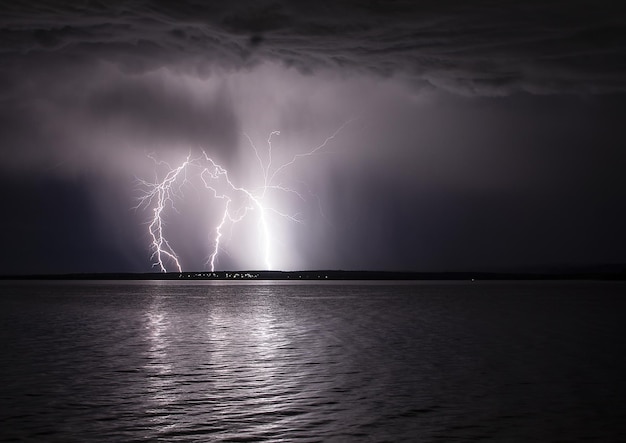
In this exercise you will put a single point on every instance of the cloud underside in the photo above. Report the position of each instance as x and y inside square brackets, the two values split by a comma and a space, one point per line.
[480, 133]
[479, 48]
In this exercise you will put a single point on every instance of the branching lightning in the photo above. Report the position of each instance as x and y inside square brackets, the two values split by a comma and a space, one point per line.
[162, 194]
[239, 202]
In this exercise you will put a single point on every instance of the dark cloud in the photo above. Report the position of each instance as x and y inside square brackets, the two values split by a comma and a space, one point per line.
[481, 134]
[472, 48]
[103, 115]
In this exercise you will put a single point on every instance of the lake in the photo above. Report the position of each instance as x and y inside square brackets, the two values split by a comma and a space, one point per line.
[329, 361]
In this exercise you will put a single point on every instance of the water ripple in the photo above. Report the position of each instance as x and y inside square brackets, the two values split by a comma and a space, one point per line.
[175, 362]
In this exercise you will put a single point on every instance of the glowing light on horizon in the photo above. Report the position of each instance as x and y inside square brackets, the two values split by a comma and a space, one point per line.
[239, 202]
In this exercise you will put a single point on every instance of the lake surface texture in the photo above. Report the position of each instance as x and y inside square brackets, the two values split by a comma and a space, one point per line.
[201, 361]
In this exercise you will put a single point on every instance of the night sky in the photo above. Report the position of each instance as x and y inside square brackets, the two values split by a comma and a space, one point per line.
[475, 135]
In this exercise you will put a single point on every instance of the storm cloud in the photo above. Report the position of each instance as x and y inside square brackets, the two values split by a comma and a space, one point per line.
[472, 48]
[478, 134]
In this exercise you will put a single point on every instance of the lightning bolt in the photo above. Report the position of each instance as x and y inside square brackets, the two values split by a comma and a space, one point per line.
[162, 194]
[239, 202]
[216, 172]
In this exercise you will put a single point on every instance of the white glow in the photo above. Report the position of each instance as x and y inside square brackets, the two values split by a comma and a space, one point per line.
[265, 203]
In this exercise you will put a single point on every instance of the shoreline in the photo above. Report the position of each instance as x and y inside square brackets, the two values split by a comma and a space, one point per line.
[331, 275]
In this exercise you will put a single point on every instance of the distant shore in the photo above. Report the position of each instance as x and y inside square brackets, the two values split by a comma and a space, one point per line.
[569, 274]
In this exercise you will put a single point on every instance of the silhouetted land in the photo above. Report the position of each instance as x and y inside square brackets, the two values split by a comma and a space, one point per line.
[611, 272]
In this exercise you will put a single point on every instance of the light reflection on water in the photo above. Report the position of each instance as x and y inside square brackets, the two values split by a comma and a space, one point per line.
[331, 362]
[158, 369]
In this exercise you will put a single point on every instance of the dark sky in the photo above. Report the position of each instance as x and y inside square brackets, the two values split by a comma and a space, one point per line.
[476, 135]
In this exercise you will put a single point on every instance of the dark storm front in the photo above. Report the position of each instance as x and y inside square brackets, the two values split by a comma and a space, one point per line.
[312, 362]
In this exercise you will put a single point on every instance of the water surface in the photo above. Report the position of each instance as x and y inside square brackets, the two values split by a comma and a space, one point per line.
[202, 361]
